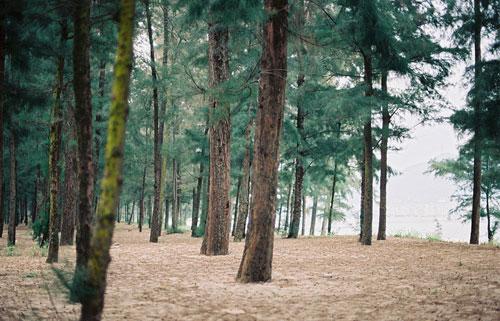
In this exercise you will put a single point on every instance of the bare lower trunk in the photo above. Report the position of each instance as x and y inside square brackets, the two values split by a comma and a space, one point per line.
[141, 205]
[2, 99]
[297, 200]
[12, 192]
[476, 186]
[70, 192]
[196, 204]
[313, 215]
[256, 263]
[54, 153]
[239, 234]
[383, 165]
[216, 240]
[235, 215]
[366, 238]
[83, 108]
[288, 205]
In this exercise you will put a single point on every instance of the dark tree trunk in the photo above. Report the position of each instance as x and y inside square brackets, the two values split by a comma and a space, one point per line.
[141, 204]
[93, 302]
[131, 217]
[313, 215]
[54, 151]
[239, 233]
[366, 238]
[155, 219]
[386, 118]
[83, 108]
[303, 230]
[235, 215]
[70, 183]
[167, 209]
[476, 186]
[204, 208]
[216, 239]
[2, 99]
[12, 192]
[280, 212]
[34, 203]
[256, 264]
[332, 199]
[288, 205]
[175, 204]
[196, 204]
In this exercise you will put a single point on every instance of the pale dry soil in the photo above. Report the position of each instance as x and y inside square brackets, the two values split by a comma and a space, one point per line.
[320, 278]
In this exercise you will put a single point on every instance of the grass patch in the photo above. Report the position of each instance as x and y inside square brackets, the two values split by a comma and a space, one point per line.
[30, 275]
[433, 238]
[407, 235]
[11, 250]
[39, 251]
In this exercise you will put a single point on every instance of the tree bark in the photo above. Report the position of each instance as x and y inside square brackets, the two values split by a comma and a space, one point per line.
[196, 204]
[54, 150]
[155, 219]
[93, 302]
[303, 230]
[175, 204]
[70, 183]
[332, 199]
[141, 206]
[313, 215]
[11, 237]
[366, 238]
[476, 188]
[216, 239]
[386, 118]
[288, 205]
[256, 263]
[235, 215]
[239, 233]
[2, 99]
[83, 108]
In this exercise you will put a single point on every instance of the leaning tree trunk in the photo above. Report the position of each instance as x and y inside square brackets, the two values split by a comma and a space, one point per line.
[11, 240]
[288, 205]
[54, 151]
[366, 238]
[93, 302]
[304, 214]
[239, 233]
[256, 264]
[476, 186]
[2, 99]
[83, 108]
[386, 118]
[313, 215]
[155, 219]
[216, 239]
[332, 198]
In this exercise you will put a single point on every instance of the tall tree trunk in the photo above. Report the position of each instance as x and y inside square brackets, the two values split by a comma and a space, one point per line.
[256, 263]
[141, 206]
[70, 183]
[476, 188]
[386, 118]
[204, 208]
[54, 150]
[367, 157]
[288, 205]
[2, 99]
[313, 215]
[332, 199]
[12, 192]
[99, 119]
[34, 201]
[196, 205]
[99, 259]
[155, 219]
[167, 208]
[216, 239]
[175, 199]
[131, 217]
[303, 230]
[280, 210]
[235, 215]
[239, 233]
[83, 108]
[324, 223]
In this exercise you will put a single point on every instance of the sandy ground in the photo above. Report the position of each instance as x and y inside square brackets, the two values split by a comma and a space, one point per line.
[313, 279]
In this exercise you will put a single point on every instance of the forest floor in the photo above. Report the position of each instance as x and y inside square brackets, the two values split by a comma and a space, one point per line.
[319, 278]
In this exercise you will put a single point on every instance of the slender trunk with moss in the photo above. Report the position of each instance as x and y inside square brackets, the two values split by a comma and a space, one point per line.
[93, 302]
[217, 231]
[83, 108]
[54, 151]
[256, 263]
[11, 239]
[476, 184]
